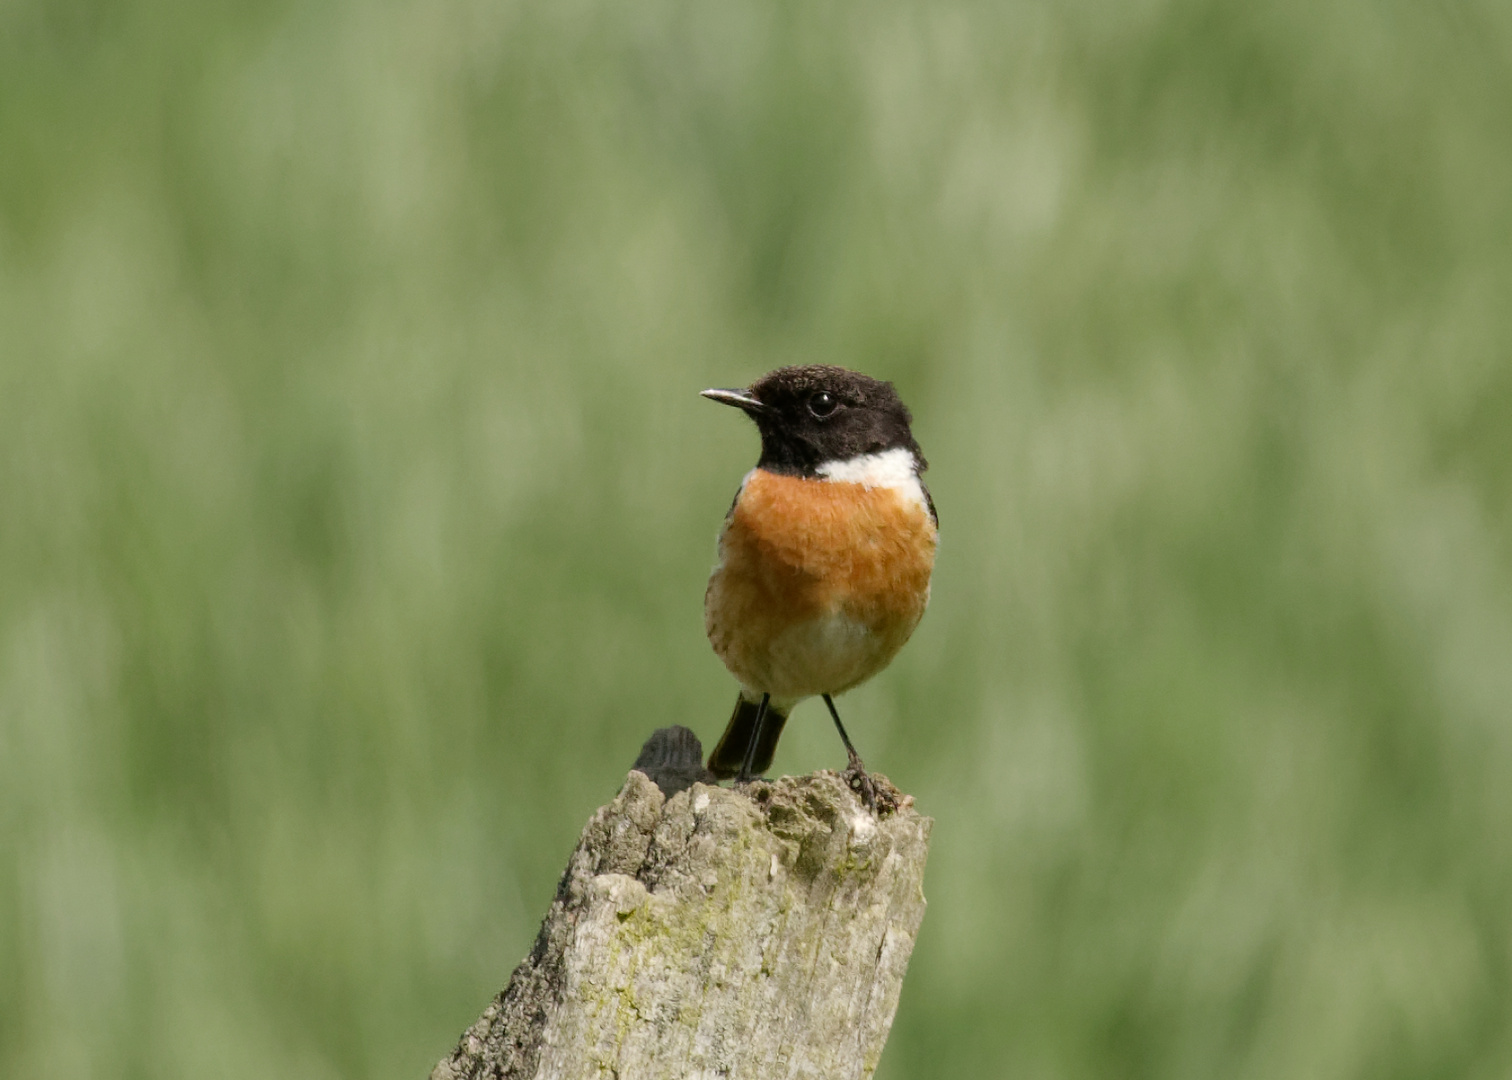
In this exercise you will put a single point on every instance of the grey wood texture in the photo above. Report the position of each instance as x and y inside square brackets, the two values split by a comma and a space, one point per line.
[747, 935]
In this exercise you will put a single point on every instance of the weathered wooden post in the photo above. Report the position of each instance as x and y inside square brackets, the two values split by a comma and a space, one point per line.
[700, 932]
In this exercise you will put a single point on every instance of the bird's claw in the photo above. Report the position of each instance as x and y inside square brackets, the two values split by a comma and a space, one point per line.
[880, 798]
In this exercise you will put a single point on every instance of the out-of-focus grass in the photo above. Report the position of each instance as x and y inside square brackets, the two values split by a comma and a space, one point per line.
[356, 504]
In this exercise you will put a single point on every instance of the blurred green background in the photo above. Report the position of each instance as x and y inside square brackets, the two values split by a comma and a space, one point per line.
[356, 504]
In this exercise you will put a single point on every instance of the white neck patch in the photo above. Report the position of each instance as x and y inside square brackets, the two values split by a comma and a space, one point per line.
[895, 469]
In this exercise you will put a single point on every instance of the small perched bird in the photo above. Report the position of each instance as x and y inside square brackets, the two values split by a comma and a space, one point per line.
[824, 558]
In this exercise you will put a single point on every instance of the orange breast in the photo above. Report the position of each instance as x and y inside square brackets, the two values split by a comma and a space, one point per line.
[819, 583]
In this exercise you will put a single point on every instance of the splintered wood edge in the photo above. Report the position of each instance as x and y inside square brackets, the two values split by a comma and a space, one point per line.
[637, 890]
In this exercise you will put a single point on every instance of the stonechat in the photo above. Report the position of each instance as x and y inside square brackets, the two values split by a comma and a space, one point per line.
[824, 558]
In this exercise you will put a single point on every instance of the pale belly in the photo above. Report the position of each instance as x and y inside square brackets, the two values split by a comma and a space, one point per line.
[819, 585]
[827, 655]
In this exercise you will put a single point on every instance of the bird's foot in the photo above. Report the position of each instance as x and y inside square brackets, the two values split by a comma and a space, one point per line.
[755, 788]
[879, 796]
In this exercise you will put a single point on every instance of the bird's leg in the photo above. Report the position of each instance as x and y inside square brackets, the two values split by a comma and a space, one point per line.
[856, 775]
[855, 758]
[745, 776]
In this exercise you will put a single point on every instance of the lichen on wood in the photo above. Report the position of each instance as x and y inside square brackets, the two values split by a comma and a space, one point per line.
[756, 934]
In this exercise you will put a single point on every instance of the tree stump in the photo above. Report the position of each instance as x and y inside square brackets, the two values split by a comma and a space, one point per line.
[706, 932]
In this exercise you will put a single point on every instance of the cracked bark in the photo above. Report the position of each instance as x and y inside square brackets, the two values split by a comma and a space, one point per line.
[703, 932]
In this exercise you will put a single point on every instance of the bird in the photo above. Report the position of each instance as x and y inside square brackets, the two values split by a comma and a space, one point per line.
[824, 559]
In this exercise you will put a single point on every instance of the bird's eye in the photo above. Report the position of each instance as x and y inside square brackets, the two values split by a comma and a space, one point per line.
[822, 404]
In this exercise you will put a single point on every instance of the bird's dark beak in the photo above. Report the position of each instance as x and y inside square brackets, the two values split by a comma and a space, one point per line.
[741, 399]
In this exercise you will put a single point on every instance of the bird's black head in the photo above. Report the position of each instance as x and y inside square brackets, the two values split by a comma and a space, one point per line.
[812, 415]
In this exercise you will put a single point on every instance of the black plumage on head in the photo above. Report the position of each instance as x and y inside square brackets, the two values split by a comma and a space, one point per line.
[818, 413]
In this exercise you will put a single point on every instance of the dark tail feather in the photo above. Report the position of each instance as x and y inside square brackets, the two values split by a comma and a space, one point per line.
[726, 758]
